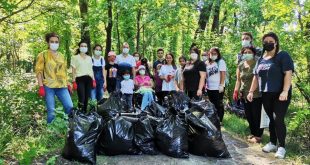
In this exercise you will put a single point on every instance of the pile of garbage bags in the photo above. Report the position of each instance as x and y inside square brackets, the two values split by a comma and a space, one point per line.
[237, 108]
[180, 128]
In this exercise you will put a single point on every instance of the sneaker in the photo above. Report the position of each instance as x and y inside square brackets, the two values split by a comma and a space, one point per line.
[269, 147]
[280, 153]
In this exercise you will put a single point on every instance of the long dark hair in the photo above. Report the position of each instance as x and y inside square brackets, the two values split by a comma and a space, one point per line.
[251, 48]
[147, 69]
[275, 37]
[219, 56]
[196, 50]
[78, 49]
[173, 62]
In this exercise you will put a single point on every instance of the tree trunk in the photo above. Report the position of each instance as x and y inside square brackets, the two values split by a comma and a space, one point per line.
[222, 22]
[109, 28]
[139, 13]
[216, 17]
[85, 36]
[118, 35]
[204, 17]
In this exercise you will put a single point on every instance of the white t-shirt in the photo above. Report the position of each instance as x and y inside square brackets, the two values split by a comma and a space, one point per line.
[213, 74]
[166, 70]
[127, 86]
[97, 62]
[129, 59]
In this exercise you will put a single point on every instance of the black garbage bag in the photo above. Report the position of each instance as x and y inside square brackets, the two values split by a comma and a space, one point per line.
[205, 107]
[179, 100]
[204, 139]
[156, 110]
[111, 106]
[237, 108]
[171, 137]
[84, 130]
[117, 137]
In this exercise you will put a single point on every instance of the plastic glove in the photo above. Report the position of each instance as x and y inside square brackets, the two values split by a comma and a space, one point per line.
[74, 85]
[235, 96]
[221, 89]
[41, 91]
[94, 84]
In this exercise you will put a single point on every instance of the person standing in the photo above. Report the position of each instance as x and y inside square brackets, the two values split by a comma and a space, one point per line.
[194, 76]
[273, 74]
[167, 74]
[247, 41]
[51, 72]
[127, 86]
[179, 72]
[111, 69]
[83, 75]
[216, 73]
[158, 81]
[99, 73]
[243, 83]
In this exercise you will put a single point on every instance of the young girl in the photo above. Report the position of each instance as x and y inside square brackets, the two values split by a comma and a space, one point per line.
[167, 74]
[127, 86]
[111, 69]
[83, 75]
[179, 72]
[144, 84]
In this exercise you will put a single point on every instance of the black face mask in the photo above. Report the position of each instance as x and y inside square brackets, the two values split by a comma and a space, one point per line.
[268, 46]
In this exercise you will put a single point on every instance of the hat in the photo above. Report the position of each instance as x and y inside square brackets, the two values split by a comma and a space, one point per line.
[141, 67]
[111, 53]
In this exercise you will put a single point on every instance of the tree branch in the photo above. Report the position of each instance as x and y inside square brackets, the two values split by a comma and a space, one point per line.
[16, 12]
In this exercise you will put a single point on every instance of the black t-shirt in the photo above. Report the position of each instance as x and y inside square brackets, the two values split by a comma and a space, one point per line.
[191, 75]
[112, 70]
[271, 72]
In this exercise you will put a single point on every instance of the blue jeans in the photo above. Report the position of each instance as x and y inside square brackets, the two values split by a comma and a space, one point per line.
[97, 93]
[146, 100]
[62, 95]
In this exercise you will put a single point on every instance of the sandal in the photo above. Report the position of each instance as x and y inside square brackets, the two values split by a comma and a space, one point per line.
[255, 140]
[250, 137]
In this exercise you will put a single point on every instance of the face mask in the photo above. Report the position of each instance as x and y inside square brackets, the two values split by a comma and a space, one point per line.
[142, 72]
[213, 58]
[204, 58]
[125, 50]
[54, 46]
[137, 58]
[126, 77]
[247, 57]
[268, 46]
[83, 49]
[246, 43]
[194, 56]
[98, 52]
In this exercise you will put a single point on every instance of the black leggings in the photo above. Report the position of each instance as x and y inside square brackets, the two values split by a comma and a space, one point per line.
[253, 114]
[192, 94]
[84, 84]
[276, 111]
[217, 99]
[160, 96]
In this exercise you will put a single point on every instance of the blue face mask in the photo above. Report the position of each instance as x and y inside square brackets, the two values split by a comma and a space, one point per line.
[126, 77]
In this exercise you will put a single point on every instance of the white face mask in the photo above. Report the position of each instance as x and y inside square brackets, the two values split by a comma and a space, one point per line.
[142, 72]
[98, 52]
[54, 46]
[125, 50]
[247, 57]
[194, 56]
[83, 49]
[214, 57]
[246, 43]
[137, 58]
[204, 58]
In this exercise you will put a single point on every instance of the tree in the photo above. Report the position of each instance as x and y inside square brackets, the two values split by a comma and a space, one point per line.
[85, 36]
[108, 28]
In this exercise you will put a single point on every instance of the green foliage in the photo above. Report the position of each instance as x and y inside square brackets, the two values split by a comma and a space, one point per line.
[51, 161]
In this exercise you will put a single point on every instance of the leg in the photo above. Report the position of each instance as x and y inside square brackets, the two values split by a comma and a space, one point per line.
[280, 109]
[248, 114]
[50, 103]
[129, 100]
[65, 99]
[268, 106]
[256, 109]
[221, 105]
[88, 88]
[99, 90]
[80, 92]
[144, 101]
[214, 98]
[93, 94]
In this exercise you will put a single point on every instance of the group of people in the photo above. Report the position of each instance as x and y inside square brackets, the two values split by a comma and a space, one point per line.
[204, 73]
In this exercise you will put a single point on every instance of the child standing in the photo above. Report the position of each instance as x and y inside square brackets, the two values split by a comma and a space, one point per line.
[111, 69]
[144, 84]
[127, 86]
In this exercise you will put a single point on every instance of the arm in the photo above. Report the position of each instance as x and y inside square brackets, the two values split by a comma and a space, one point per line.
[253, 88]
[73, 74]
[39, 69]
[202, 80]
[133, 72]
[287, 85]
[238, 80]
[222, 77]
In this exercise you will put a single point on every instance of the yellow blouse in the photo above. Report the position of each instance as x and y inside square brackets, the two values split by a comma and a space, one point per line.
[53, 69]
[83, 66]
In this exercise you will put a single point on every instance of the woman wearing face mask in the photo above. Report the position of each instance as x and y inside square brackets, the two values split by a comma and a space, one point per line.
[194, 76]
[273, 75]
[99, 73]
[137, 57]
[216, 71]
[205, 56]
[243, 83]
[51, 71]
[144, 84]
[179, 72]
[167, 74]
[83, 75]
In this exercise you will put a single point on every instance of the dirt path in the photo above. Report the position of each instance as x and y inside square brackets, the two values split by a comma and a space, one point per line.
[241, 152]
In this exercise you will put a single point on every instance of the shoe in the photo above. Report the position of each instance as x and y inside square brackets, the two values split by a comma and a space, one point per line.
[269, 147]
[280, 153]
[250, 137]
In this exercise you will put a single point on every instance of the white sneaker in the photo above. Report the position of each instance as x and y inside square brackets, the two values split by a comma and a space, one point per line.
[269, 147]
[280, 153]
